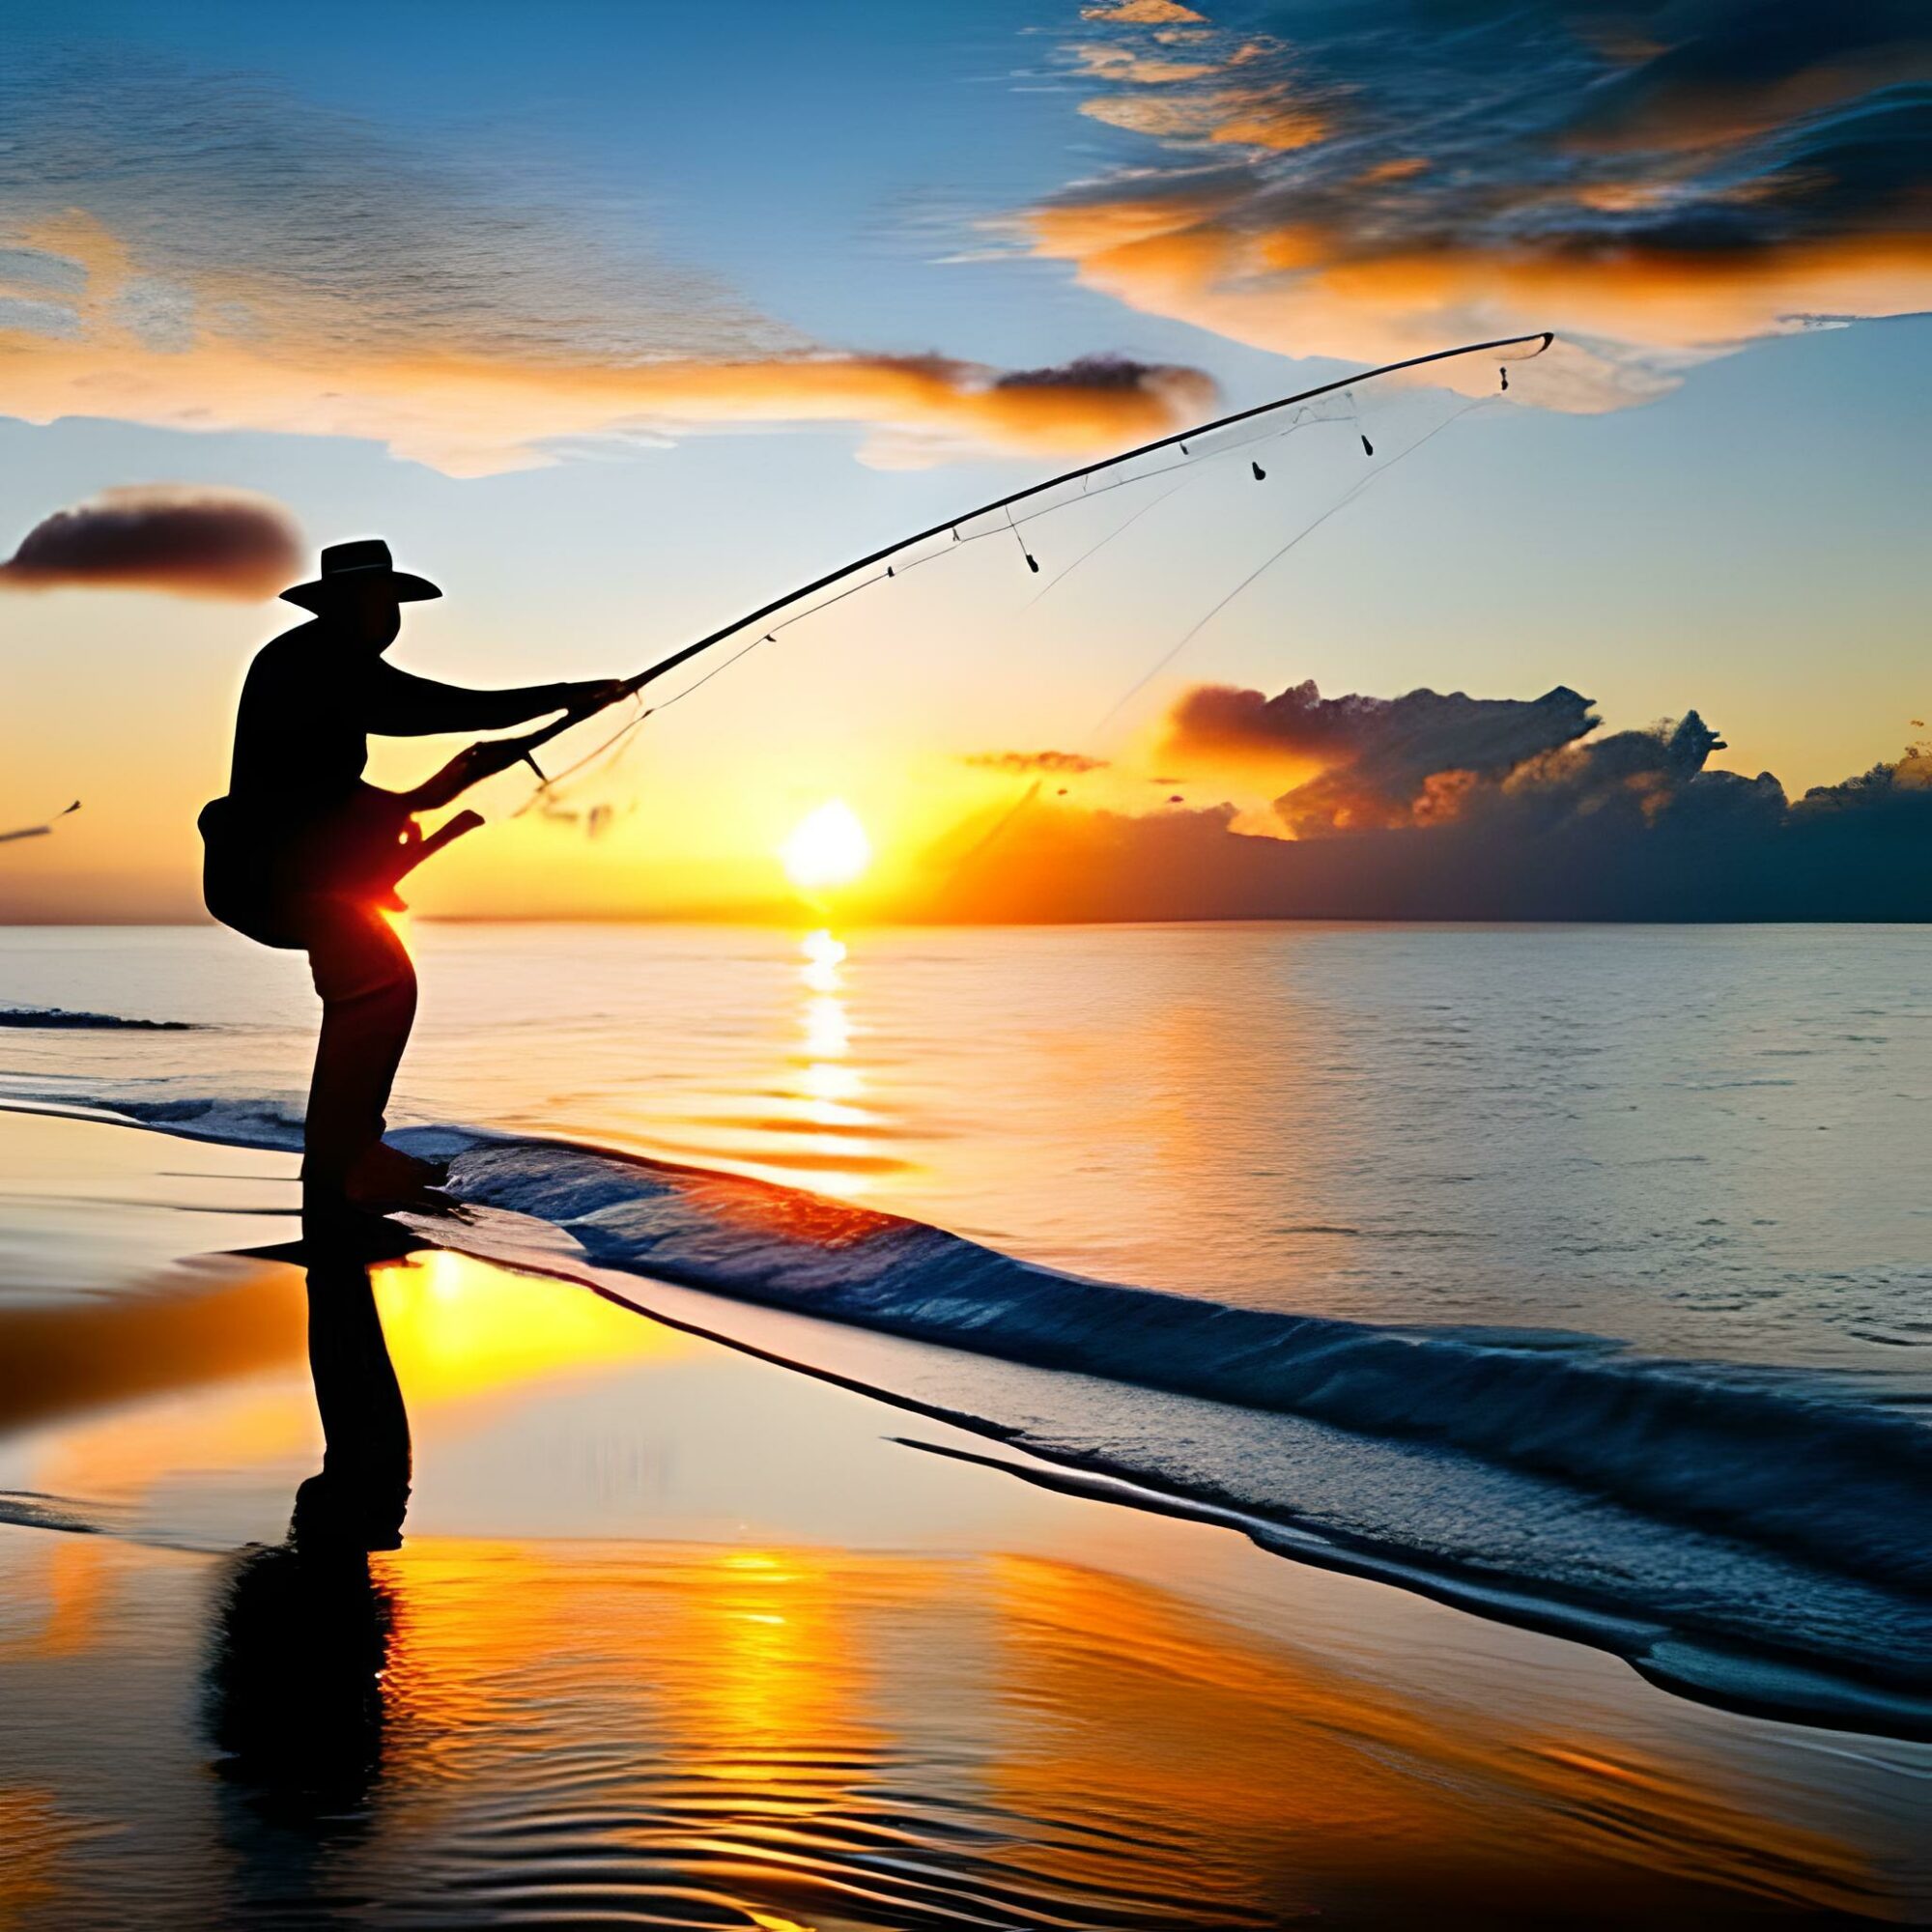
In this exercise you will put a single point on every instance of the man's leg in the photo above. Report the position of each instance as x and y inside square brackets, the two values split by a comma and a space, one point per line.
[368, 990]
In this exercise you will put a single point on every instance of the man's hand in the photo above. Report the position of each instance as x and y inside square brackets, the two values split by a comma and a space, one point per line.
[468, 768]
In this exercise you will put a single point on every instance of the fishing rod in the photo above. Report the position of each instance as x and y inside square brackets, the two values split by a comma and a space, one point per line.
[498, 754]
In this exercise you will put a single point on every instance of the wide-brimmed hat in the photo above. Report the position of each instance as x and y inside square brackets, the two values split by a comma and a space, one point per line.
[344, 565]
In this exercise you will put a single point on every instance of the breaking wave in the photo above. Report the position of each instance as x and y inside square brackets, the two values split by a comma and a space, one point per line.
[1662, 1437]
[1741, 1474]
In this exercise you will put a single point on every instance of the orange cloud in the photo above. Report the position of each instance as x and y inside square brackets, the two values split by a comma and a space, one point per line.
[1142, 13]
[1653, 205]
[1405, 167]
[473, 413]
[1230, 116]
[1301, 290]
[1116, 63]
[1019, 764]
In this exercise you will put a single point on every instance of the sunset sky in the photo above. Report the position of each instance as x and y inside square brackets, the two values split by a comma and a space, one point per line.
[616, 320]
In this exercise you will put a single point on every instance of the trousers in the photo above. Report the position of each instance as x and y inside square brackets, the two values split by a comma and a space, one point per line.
[368, 987]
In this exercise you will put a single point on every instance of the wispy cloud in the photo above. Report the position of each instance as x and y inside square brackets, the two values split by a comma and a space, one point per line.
[188, 540]
[201, 253]
[1020, 764]
[1657, 184]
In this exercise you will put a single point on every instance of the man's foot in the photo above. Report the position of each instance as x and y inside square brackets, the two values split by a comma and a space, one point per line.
[385, 1176]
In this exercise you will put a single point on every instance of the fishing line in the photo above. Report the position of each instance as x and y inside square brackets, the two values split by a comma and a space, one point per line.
[1188, 467]
[1020, 805]
[547, 790]
[1189, 463]
[1180, 438]
[546, 793]
[1119, 530]
[1272, 559]
[1032, 562]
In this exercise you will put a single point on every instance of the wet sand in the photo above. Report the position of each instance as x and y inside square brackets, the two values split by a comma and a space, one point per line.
[675, 1635]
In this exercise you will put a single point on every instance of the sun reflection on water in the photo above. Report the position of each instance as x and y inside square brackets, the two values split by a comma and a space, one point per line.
[830, 1129]
[824, 955]
[806, 1734]
[458, 1329]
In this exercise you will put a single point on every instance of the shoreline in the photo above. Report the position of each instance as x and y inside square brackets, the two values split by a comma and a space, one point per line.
[895, 1365]
[617, 1527]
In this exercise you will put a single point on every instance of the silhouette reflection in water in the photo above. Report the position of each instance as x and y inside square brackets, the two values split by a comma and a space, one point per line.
[295, 1680]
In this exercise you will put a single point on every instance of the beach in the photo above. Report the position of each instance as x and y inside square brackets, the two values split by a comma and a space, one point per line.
[1574, 1275]
[965, 970]
[675, 1633]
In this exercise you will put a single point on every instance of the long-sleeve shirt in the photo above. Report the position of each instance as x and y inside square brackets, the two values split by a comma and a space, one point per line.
[310, 700]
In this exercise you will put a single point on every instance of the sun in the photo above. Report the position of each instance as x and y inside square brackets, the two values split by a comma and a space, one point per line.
[827, 847]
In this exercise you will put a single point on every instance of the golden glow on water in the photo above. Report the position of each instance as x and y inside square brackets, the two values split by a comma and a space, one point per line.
[784, 1668]
[459, 1331]
[459, 1328]
[122, 1456]
[57, 1609]
[826, 1081]
[826, 1733]
[826, 1027]
[823, 956]
[807, 1734]
[35, 1836]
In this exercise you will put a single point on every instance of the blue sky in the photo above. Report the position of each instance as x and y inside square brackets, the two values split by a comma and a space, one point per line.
[1700, 506]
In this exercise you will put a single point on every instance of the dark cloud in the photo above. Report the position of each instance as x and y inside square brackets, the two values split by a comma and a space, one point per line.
[1744, 68]
[192, 542]
[1378, 753]
[208, 252]
[1884, 786]
[1110, 372]
[1429, 755]
[1022, 763]
[1458, 808]
[1428, 758]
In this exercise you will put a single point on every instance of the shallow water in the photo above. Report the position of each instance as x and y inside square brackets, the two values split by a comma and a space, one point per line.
[1703, 1142]
[1576, 1273]
[674, 1639]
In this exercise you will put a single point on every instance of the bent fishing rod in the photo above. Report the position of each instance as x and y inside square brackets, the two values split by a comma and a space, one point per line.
[496, 755]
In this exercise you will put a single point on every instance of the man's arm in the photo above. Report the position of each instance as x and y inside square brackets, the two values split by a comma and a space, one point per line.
[403, 706]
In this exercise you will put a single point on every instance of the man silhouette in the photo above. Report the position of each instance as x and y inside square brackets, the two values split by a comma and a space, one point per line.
[302, 854]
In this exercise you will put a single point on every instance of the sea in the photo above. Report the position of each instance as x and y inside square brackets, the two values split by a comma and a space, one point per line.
[1581, 1275]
